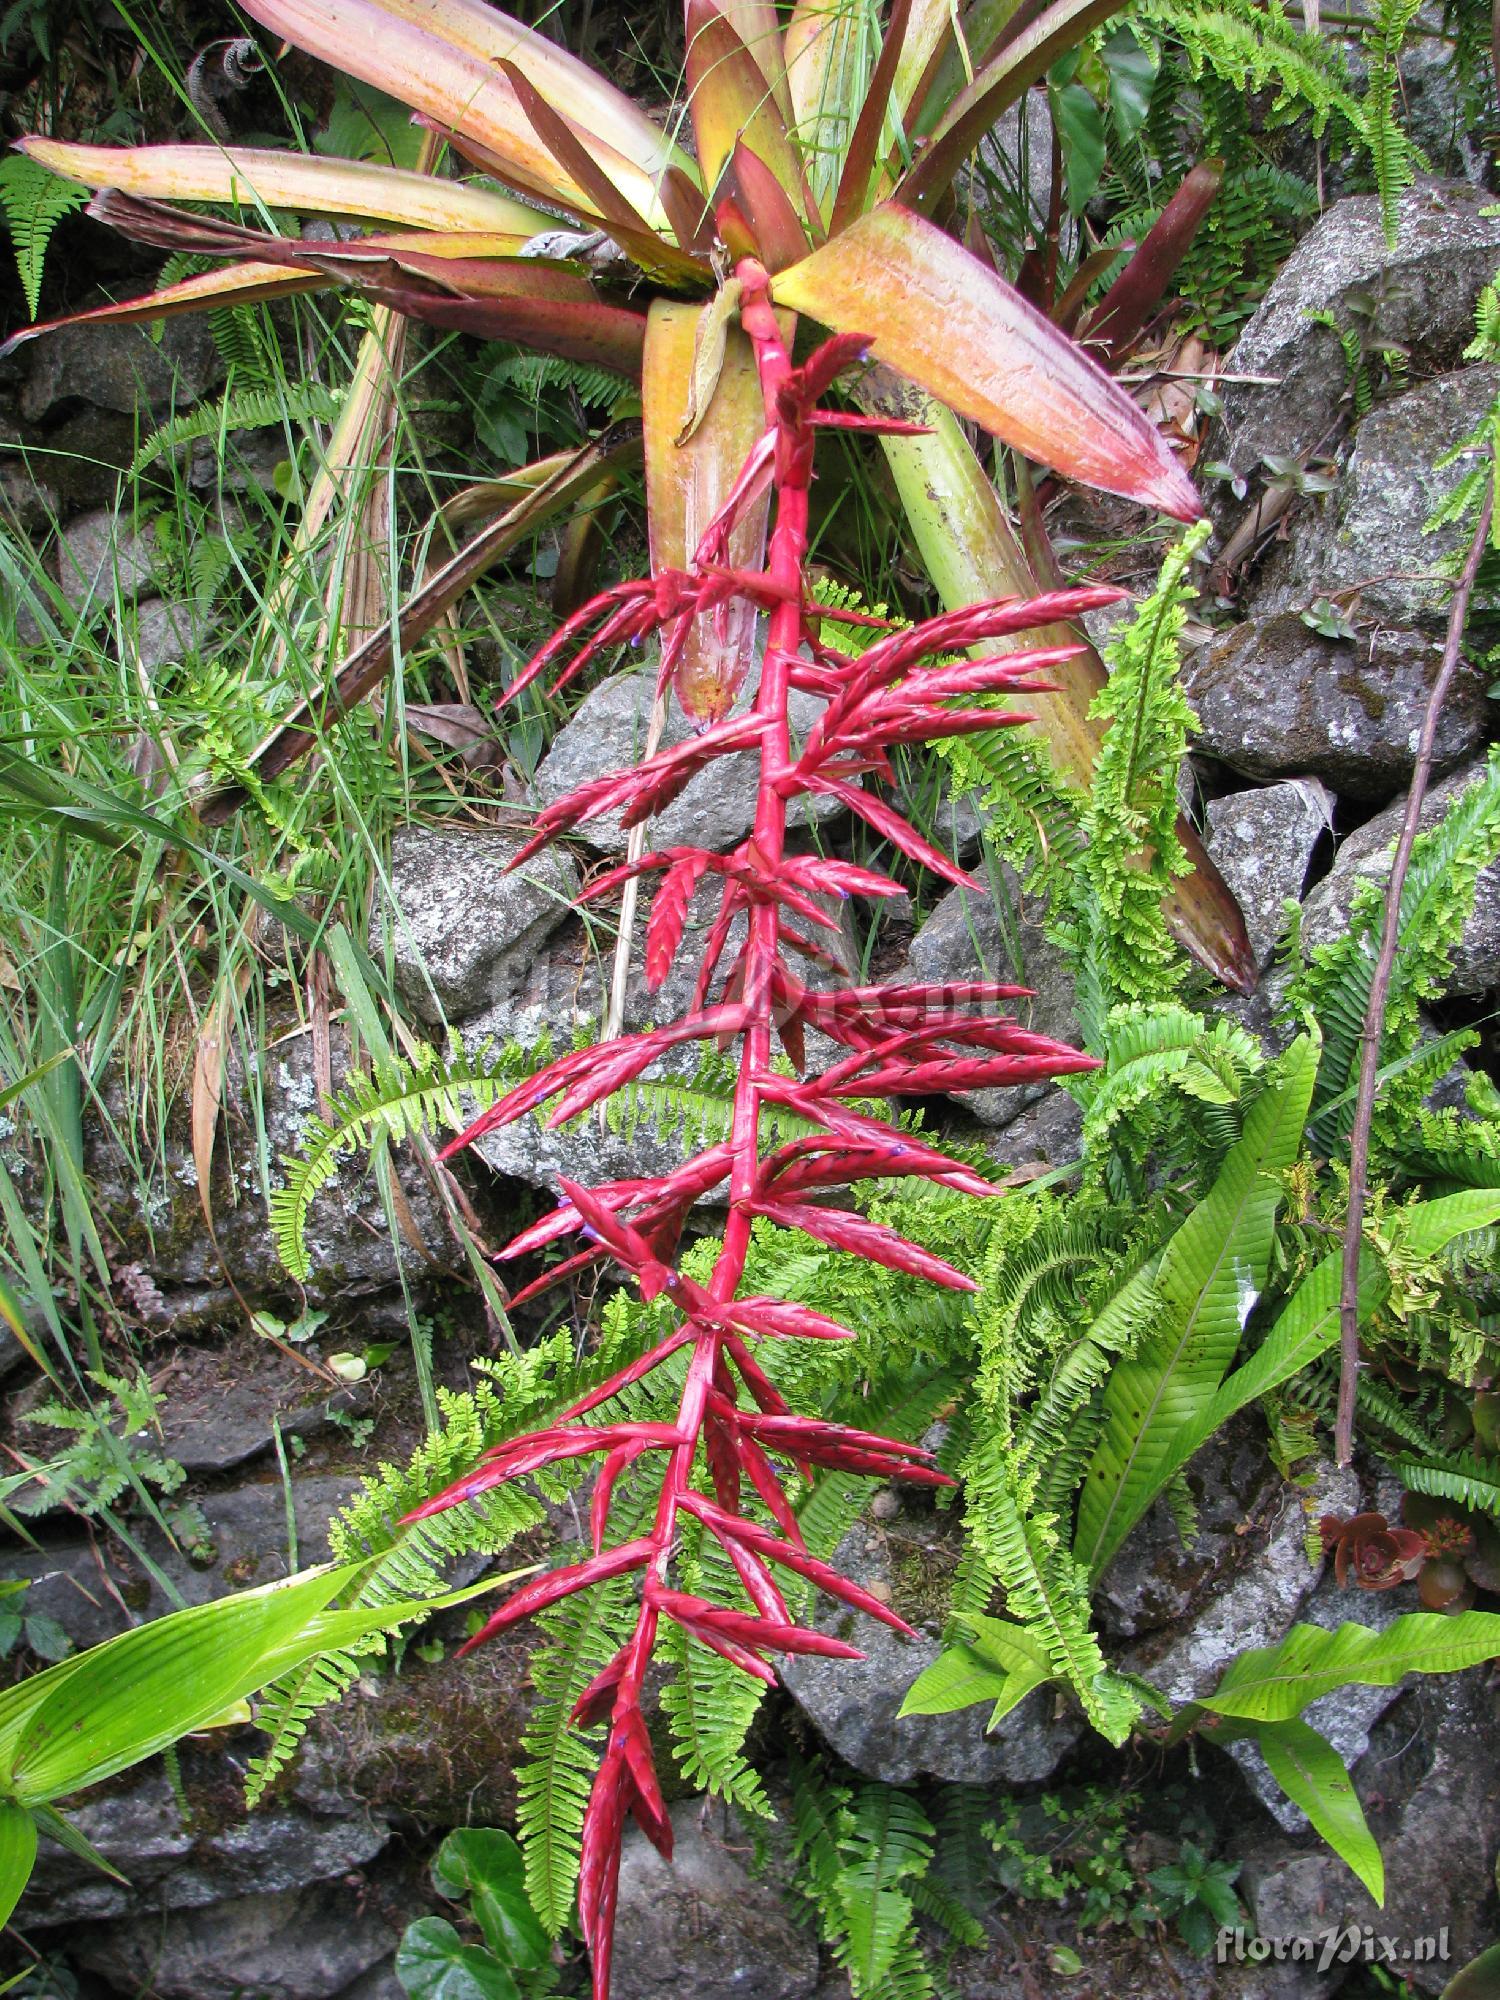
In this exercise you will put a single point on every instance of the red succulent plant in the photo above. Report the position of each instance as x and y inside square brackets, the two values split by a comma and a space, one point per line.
[733, 1430]
[1378, 1555]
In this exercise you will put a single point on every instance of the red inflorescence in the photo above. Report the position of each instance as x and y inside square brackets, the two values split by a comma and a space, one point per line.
[731, 1422]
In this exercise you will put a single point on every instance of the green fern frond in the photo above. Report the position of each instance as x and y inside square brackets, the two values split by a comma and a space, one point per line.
[411, 1096]
[1462, 1478]
[239, 409]
[33, 200]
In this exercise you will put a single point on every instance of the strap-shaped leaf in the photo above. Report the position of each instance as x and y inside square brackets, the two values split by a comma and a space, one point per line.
[255, 178]
[934, 313]
[1274, 1683]
[698, 368]
[1211, 1274]
[970, 551]
[731, 100]
[17, 1854]
[1312, 1774]
[445, 63]
[1022, 59]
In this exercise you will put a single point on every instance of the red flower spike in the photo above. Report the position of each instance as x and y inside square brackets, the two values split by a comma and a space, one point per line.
[732, 1420]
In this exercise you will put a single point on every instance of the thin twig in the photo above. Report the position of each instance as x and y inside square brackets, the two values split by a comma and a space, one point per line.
[1371, 1035]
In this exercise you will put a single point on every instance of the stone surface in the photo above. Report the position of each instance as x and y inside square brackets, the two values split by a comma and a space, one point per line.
[703, 1926]
[963, 940]
[172, 1863]
[1049, 1132]
[103, 548]
[1430, 1787]
[1366, 857]
[246, 1544]
[1266, 1588]
[1275, 699]
[1367, 534]
[120, 368]
[295, 1944]
[1156, 1580]
[464, 933]
[1420, 295]
[221, 1403]
[168, 630]
[853, 1704]
[1263, 842]
[349, 1242]
[608, 732]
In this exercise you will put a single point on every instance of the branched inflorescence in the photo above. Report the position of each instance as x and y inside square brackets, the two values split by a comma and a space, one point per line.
[732, 1425]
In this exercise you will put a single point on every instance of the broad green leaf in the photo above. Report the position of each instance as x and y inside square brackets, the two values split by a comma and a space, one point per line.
[107, 1708]
[934, 313]
[1210, 1277]
[487, 1866]
[1274, 1683]
[1132, 71]
[254, 179]
[957, 1678]
[1312, 1774]
[1080, 121]
[1479, 1979]
[17, 1854]
[1308, 1326]
[1427, 1227]
[434, 1963]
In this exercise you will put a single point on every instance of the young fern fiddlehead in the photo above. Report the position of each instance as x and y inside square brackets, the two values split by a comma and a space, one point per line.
[731, 1422]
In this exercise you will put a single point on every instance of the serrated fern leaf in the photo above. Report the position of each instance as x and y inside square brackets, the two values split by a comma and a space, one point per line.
[33, 201]
[237, 409]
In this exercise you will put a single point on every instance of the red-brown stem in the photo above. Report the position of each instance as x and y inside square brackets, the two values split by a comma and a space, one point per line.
[1380, 984]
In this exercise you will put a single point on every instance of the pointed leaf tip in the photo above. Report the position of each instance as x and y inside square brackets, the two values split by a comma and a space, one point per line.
[937, 315]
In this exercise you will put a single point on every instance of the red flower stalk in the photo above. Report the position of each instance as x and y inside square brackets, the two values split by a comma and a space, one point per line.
[733, 1429]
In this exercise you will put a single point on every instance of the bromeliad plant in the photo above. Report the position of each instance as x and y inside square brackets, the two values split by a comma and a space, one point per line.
[731, 1424]
[826, 150]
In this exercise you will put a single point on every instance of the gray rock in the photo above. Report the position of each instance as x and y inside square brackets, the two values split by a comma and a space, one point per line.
[1347, 1715]
[462, 931]
[167, 630]
[100, 550]
[1263, 842]
[1419, 295]
[1366, 857]
[1262, 1600]
[963, 940]
[1368, 532]
[1430, 1787]
[349, 1242]
[608, 732]
[701, 1924]
[120, 368]
[295, 1944]
[221, 1403]
[173, 1864]
[853, 1704]
[1276, 699]
[1157, 1580]
[246, 1545]
[1049, 1131]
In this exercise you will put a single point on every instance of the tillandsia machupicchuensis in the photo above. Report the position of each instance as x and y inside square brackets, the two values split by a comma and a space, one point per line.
[902, 1041]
